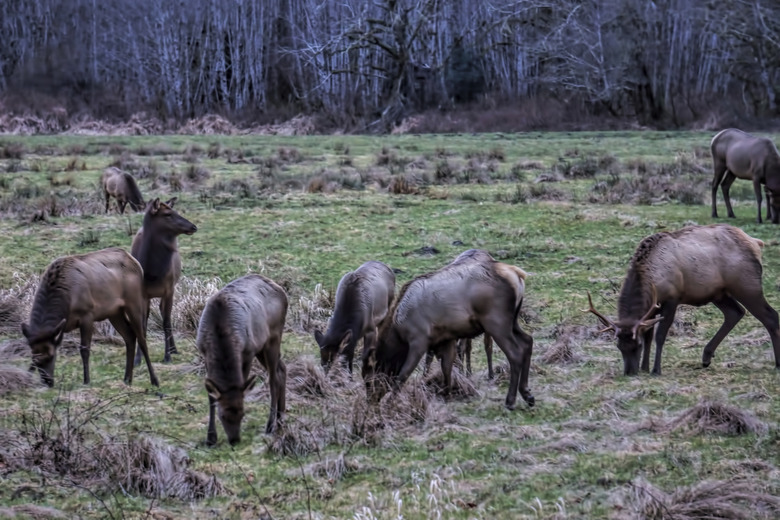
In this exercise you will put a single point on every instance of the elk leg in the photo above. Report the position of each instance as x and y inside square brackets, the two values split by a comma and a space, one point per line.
[764, 313]
[647, 342]
[668, 310]
[467, 354]
[514, 354]
[148, 303]
[726, 187]
[447, 356]
[108, 197]
[166, 306]
[720, 170]
[368, 342]
[489, 354]
[211, 435]
[135, 322]
[277, 377]
[768, 196]
[732, 313]
[86, 328]
[122, 207]
[526, 346]
[416, 351]
[759, 196]
[428, 361]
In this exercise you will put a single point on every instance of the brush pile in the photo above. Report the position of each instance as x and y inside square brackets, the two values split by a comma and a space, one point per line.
[734, 499]
[714, 417]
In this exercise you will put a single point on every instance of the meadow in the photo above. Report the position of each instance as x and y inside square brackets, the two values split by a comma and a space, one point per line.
[568, 208]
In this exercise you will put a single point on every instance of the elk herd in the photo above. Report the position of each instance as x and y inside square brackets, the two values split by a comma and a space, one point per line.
[436, 314]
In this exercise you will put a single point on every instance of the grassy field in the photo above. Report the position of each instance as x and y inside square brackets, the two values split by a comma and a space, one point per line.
[569, 208]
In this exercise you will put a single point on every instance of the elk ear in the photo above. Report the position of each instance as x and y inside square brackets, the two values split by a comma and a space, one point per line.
[59, 331]
[345, 340]
[250, 384]
[319, 338]
[171, 202]
[212, 389]
[155, 205]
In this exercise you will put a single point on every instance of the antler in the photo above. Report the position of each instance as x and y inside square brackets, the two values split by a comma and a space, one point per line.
[646, 322]
[610, 325]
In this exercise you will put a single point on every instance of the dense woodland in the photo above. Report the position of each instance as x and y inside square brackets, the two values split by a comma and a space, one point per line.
[366, 66]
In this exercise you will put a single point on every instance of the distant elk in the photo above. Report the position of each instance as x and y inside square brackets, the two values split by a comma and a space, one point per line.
[696, 265]
[362, 299]
[241, 322]
[473, 295]
[78, 291]
[156, 248]
[736, 154]
[122, 186]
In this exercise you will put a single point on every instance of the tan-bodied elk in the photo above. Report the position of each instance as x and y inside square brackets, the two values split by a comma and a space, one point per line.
[122, 186]
[696, 265]
[78, 291]
[362, 299]
[156, 248]
[474, 294]
[242, 322]
[739, 155]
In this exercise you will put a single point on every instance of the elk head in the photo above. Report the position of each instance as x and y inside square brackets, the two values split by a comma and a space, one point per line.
[43, 345]
[330, 349]
[629, 333]
[230, 404]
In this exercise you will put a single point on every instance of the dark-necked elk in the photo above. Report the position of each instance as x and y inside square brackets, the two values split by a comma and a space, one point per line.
[156, 248]
[122, 186]
[362, 299]
[473, 295]
[736, 154]
[78, 291]
[241, 322]
[696, 265]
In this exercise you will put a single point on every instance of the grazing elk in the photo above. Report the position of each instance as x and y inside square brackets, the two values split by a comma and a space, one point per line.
[463, 349]
[78, 291]
[473, 295]
[241, 322]
[736, 154]
[696, 265]
[121, 185]
[156, 248]
[362, 299]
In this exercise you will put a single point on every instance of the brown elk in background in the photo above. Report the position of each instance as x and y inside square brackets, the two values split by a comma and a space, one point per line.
[362, 299]
[241, 322]
[156, 248]
[696, 265]
[122, 186]
[473, 295]
[736, 154]
[78, 291]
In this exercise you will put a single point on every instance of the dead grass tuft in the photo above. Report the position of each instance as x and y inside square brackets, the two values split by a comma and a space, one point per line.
[567, 346]
[31, 512]
[714, 417]
[462, 386]
[209, 124]
[401, 185]
[334, 469]
[306, 378]
[14, 379]
[713, 499]
[294, 438]
[12, 151]
[191, 296]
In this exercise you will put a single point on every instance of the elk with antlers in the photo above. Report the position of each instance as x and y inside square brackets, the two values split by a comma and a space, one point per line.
[696, 265]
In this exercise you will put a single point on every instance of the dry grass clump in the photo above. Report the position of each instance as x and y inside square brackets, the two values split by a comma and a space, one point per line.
[462, 387]
[334, 469]
[209, 124]
[12, 151]
[567, 346]
[195, 174]
[14, 379]
[296, 438]
[299, 125]
[306, 378]
[412, 404]
[733, 499]
[31, 512]
[188, 304]
[714, 417]
[155, 469]
[16, 302]
[401, 185]
[64, 441]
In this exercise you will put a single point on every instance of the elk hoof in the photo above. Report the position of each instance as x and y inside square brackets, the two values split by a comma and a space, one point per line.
[530, 399]
[155, 382]
[705, 364]
[509, 406]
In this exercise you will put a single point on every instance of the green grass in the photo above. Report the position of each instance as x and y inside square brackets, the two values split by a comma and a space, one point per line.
[576, 454]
